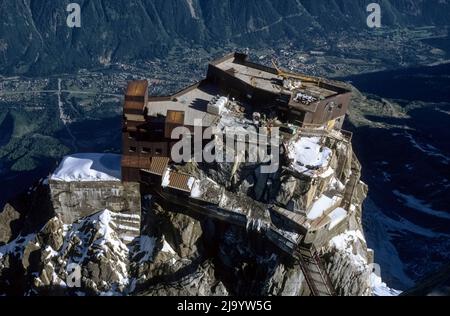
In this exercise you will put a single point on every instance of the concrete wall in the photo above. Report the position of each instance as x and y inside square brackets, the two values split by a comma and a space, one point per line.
[75, 200]
[329, 109]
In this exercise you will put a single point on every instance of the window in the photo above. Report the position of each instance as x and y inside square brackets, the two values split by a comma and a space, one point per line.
[133, 149]
[146, 150]
[133, 136]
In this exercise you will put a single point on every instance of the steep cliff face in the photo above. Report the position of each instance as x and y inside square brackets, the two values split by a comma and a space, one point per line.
[34, 37]
[349, 261]
[40, 263]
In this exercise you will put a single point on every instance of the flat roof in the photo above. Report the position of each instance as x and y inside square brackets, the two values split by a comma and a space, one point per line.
[159, 165]
[180, 181]
[315, 91]
[255, 77]
[267, 78]
[192, 101]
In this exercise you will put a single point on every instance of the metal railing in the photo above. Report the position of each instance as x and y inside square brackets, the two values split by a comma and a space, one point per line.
[323, 271]
[321, 130]
[312, 258]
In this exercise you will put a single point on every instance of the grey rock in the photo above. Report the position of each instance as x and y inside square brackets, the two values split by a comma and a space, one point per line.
[287, 190]
[52, 234]
[7, 219]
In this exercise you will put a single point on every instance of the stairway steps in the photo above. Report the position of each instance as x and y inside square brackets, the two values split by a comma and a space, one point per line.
[127, 226]
[315, 274]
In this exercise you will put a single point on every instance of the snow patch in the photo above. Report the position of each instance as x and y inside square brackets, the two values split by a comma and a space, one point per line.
[379, 288]
[191, 182]
[146, 247]
[343, 241]
[88, 168]
[128, 228]
[337, 216]
[307, 152]
[166, 179]
[167, 248]
[427, 149]
[323, 204]
[196, 192]
[127, 216]
[337, 185]
[17, 246]
[192, 9]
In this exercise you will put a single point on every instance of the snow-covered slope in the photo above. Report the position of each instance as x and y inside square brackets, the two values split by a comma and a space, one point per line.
[89, 167]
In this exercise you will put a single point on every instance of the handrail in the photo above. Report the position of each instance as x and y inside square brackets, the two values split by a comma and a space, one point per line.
[308, 277]
[348, 201]
[326, 133]
[323, 272]
[316, 261]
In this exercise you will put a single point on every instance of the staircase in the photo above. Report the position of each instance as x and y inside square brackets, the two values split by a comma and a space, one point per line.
[127, 226]
[318, 280]
[353, 182]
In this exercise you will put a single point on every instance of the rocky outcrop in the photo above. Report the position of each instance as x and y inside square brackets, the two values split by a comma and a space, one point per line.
[27, 213]
[348, 264]
[7, 220]
[178, 254]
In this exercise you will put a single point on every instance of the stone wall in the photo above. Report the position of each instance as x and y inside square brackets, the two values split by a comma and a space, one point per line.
[75, 200]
